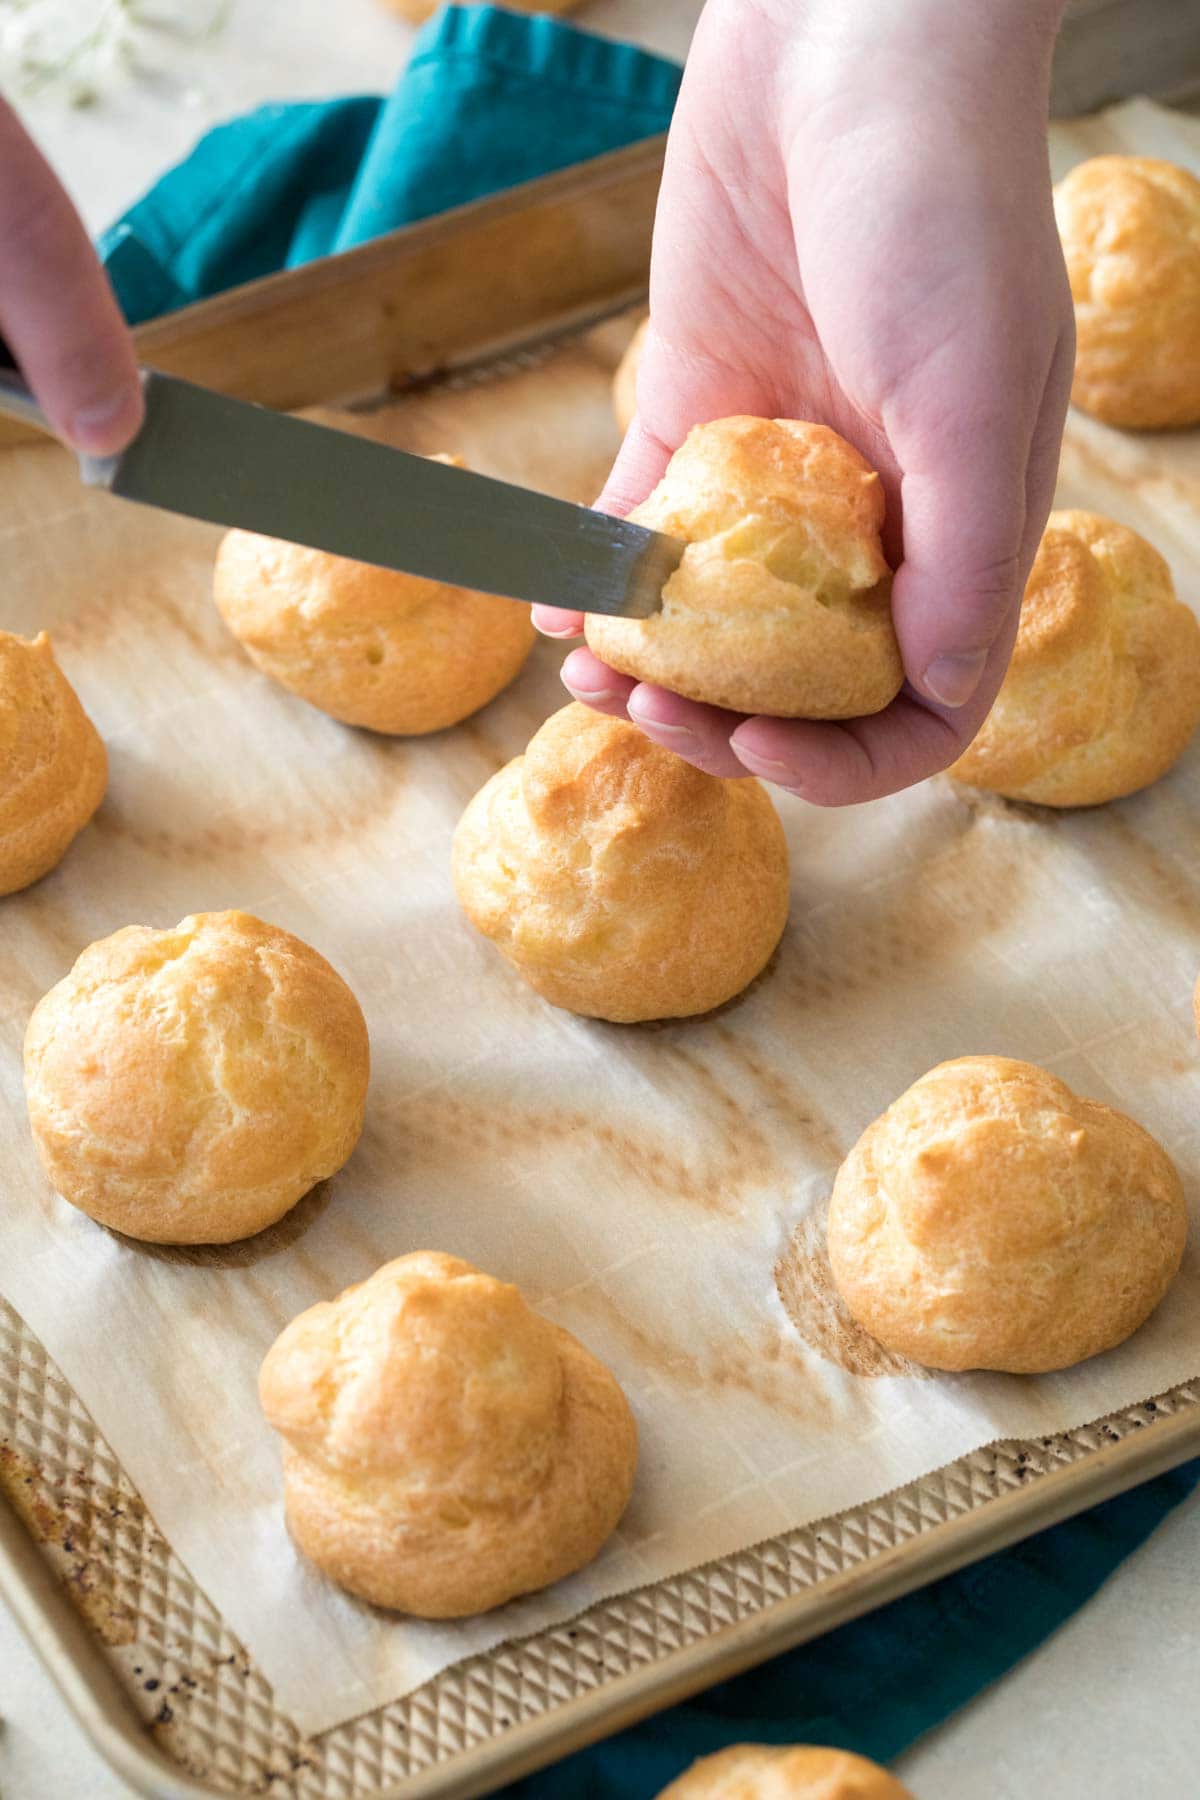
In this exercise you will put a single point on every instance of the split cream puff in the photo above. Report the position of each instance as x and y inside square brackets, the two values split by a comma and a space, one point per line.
[782, 602]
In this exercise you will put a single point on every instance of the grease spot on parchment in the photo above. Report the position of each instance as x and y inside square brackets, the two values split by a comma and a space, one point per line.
[805, 1284]
[758, 1364]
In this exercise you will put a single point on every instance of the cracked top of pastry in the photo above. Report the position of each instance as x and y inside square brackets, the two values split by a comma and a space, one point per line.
[993, 1219]
[189, 1085]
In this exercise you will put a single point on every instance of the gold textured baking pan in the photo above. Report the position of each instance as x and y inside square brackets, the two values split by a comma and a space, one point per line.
[144, 1659]
[172, 1701]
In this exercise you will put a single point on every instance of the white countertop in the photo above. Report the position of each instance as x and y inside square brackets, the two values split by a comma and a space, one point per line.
[1107, 1707]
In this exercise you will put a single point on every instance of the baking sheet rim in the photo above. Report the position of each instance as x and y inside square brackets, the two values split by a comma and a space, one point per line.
[75, 1660]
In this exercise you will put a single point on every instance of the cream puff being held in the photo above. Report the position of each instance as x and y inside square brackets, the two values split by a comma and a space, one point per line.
[991, 1219]
[446, 1448]
[782, 602]
[1103, 691]
[53, 769]
[394, 653]
[1130, 228]
[790, 1772]
[622, 882]
[188, 1086]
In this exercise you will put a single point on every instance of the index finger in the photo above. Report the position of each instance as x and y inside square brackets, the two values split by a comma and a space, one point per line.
[57, 309]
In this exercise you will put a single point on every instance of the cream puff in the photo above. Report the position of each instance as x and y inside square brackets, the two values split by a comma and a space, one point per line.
[789, 1772]
[53, 769]
[1130, 229]
[991, 1219]
[371, 647]
[1103, 691]
[622, 882]
[446, 1448]
[188, 1086]
[624, 389]
[782, 602]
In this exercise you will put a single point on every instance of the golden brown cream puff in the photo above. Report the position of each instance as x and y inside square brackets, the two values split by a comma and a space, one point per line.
[188, 1086]
[991, 1219]
[622, 882]
[445, 1447]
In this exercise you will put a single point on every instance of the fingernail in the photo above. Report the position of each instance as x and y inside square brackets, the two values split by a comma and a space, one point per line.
[591, 696]
[765, 766]
[107, 426]
[554, 631]
[672, 737]
[953, 679]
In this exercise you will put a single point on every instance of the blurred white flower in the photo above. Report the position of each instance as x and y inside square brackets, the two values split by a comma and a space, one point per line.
[82, 48]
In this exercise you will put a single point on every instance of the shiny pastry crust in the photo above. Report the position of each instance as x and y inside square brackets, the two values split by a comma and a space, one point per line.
[991, 1219]
[799, 1772]
[623, 883]
[53, 769]
[188, 1086]
[1103, 692]
[624, 390]
[1130, 228]
[446, 1448]
[394, 653]
[782, 603]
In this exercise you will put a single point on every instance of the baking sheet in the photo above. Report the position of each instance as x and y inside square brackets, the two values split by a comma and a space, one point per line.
[642, 1184]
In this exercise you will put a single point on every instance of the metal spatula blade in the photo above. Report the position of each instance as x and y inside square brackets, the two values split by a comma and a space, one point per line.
[231, 463]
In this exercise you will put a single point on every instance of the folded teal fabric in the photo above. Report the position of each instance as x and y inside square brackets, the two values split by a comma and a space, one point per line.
[491, 99]
[879, 1684]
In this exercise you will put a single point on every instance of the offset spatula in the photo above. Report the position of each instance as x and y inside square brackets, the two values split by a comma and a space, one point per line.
[226, 461]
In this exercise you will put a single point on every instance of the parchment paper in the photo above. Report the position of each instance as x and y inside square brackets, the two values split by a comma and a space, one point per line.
[641, 1184]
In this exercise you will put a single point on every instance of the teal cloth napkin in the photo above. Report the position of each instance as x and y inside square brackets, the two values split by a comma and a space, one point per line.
[490, 99]
[879, 1684]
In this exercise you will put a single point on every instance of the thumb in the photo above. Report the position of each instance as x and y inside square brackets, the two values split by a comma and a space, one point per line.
[56, 307]
[958, 588]
[677, 388]
[640, 464]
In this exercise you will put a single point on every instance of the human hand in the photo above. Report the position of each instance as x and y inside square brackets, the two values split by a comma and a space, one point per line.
[856, 227]
[57, 310]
